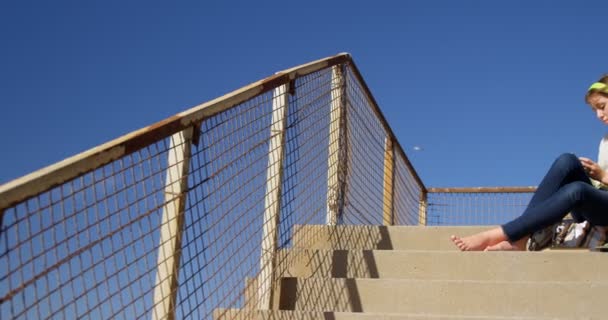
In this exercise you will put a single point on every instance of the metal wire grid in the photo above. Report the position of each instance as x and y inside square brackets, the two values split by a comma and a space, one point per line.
[224, 215]
[223, 218]
[304, 191]
[365, 170]
[406, 195]
[87, 248]
[475, 208]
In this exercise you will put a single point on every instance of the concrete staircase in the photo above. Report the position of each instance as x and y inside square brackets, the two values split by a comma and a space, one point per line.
[373, 272]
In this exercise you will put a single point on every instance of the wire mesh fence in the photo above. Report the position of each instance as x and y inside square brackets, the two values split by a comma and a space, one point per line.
[87, 248]
[185, 219]
[476, 206]
[182, 219]
[408, 199]
[365, 165]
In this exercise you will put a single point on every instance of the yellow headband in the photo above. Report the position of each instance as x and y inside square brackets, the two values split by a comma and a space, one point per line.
[599, 86]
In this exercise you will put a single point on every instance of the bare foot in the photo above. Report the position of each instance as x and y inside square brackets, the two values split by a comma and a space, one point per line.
[480, 241]
[519, 245]
[503, 246]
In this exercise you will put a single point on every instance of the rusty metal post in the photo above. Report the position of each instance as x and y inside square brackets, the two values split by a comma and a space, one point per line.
[272, 201]
[336, 171]
[169, 250]
[388, 217]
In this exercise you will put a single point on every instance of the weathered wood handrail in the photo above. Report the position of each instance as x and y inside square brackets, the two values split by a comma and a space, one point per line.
[483, 190]
[44, 179]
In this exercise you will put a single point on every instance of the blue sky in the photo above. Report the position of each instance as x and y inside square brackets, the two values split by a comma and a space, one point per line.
[491, 90]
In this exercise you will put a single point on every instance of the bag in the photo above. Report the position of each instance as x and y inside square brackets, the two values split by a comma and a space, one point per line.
[542, 239]
[596, 237]
[568, 234]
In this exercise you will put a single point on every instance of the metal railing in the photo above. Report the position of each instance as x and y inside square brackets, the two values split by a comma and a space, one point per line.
[476, 206]
[186, 216]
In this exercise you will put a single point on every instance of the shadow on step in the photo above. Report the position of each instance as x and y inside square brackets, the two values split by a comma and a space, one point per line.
[342, 237]
[320, 294]
[350, 264]
[361, 237]
[327, 263]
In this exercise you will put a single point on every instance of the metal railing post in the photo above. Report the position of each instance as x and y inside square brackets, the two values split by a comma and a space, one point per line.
[422, 208]
[169, 250]
[388, 218]
[336, 171]
[272, 200]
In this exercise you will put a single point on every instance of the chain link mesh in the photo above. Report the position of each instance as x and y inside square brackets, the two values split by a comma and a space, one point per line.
[86, 248]
[365, 165]
[100, 245]
[304, 193]
[475, 208]
[407, 195]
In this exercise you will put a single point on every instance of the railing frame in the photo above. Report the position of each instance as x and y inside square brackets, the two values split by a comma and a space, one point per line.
[422, 207]
[181, 130]
[466, 190]
[169, 249]
[483, 190]
[54, 175]
[388, 217]
[272, 200]
[337, 158]
[389, 131]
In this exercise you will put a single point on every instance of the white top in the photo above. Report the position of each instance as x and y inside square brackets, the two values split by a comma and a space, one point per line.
[602, 159]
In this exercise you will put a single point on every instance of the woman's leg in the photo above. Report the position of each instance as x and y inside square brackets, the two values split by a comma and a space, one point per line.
[580, 197]
[565, 170]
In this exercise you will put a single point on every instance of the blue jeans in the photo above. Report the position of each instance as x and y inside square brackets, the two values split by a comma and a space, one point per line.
[565, 188]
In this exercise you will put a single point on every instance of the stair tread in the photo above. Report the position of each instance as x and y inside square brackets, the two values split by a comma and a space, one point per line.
[379, 237]
[456, 297]
[221, 314]
[417, 264]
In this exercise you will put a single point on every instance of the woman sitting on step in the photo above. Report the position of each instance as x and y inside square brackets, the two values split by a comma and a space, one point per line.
[567, 187]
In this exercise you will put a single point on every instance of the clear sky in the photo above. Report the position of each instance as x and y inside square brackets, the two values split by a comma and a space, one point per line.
[491, 91]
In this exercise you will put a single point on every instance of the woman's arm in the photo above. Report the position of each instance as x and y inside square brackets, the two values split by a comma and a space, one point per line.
[594, 171]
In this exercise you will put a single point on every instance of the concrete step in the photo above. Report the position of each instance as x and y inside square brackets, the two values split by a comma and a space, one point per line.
[231, 314]
[379, 237]
[580, 300]
[565, 265]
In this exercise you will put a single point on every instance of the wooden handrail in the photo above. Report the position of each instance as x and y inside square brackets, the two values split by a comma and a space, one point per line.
[483, 190]
[387, 128]
[54, 175]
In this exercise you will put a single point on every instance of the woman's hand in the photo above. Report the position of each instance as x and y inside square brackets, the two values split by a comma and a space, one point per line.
[592, 169]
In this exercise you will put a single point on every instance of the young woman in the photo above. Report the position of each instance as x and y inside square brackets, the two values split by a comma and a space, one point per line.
[571, 186]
